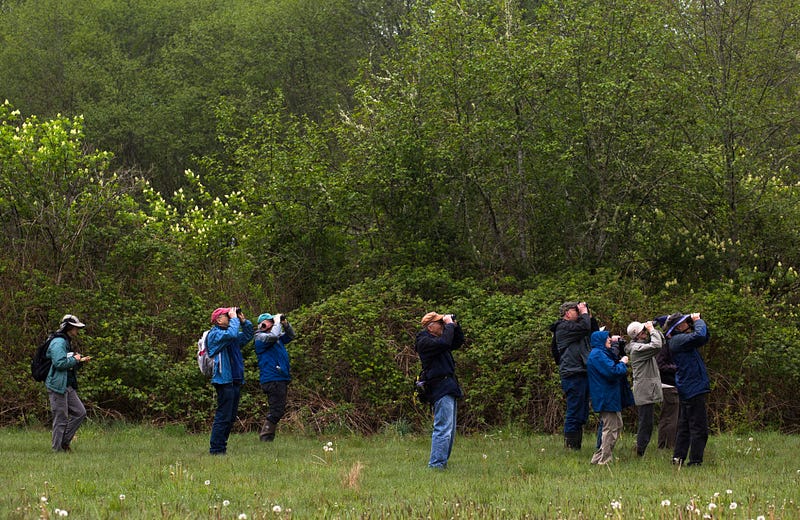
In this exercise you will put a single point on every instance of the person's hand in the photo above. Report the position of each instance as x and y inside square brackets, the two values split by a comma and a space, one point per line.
[695, 316]
[649, 326]
[615, 338]
[277, 318]
[582, 308]
[448, 318]
[624, 359]
[81, 359]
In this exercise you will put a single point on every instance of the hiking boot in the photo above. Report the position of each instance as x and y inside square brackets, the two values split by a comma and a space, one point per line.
[267, 433]
[572, 440]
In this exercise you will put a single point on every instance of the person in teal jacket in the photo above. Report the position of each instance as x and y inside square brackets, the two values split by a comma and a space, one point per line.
[230, 332]
[62, 383]
[273, 333]
[607, 387]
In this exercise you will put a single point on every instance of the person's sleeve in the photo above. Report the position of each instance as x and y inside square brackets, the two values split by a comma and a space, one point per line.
[245, 332]
[58, 355]
[288, 333]
[430, 345]
[219, 339]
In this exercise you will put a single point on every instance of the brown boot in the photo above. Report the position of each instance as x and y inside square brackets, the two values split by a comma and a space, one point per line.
[267, 433]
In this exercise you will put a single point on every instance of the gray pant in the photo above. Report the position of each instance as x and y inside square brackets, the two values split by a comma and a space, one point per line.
[68, 414]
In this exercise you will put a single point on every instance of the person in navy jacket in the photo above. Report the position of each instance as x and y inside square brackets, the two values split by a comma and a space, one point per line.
[273, 333]
[685, 335]
[230, 332]
[434, 344]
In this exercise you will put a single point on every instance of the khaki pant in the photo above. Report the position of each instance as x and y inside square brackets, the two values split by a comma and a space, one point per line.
[612, 428]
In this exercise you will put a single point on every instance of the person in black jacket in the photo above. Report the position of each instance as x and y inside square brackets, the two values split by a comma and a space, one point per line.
[571, 350]
[434, 344]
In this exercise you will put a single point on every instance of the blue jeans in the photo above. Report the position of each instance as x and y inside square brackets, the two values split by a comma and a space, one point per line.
[227, 406]
[444, 431]
[576, 392]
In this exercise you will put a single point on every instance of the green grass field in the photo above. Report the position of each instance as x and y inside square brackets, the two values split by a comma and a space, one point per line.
[127, 471]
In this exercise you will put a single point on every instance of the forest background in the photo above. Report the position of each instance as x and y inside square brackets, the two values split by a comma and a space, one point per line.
[357, 163]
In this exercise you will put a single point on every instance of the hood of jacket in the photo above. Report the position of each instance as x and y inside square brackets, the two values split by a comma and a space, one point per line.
[598, 339]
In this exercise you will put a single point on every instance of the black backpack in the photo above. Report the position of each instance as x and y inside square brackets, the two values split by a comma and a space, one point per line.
[40, 364]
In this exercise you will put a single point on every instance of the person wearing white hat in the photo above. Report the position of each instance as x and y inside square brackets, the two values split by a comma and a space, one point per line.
[62, 383]
[642, 349]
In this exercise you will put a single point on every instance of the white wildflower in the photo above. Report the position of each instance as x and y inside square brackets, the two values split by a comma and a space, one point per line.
[734, 505]
[226, 503]
[207, 482]
[712, 506]
[276, 509]
[242, 516]
[666, 503]
[122, 497]
[616, 504]
[43, 499]
[729, 491]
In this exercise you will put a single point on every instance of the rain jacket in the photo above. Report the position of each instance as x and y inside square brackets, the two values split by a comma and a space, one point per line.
[646, 378]
[273, 358]
[228, 343]
[691, 377]
[438, 365]
[63, 367]
[571, 340]
[608, 383]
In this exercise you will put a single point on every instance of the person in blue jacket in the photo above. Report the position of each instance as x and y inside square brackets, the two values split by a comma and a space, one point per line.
[685, 335]
[273, 333]
[607, 387]
[230, 332]
[62, 383]
[435, 344]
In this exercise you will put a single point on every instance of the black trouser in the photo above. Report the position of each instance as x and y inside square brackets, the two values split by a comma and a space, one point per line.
[645, 431]
[276, 398]
[692, 430]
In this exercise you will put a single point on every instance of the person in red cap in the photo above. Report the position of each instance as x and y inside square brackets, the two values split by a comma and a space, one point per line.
[230, 332]
[434, 344]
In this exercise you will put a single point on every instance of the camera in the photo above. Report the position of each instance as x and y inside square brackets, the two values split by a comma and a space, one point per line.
[283, 318]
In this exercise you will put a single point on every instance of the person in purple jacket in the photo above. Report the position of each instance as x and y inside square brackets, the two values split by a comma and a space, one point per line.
[685, 335]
